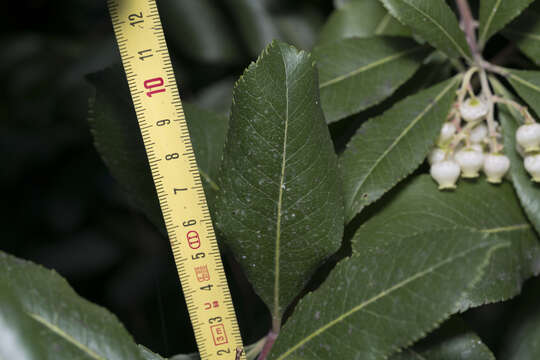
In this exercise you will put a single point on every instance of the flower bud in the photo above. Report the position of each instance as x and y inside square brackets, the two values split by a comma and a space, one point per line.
[479, 133]
[445, 173]
[495, 166]
[470, 161]
[532, 165]
[447, 132]
[436, 155]
[528, 136]
[473, 109]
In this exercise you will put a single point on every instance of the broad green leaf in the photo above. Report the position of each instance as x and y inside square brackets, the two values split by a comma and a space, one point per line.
[360, 18]
[199, 29]
[385, 296]
[280, 205]
[453, 341]
[19, 334]
[434, 21]
[495, 14]
[478, 205]
[254, 22]
[527, 191]
[527, 85]
[391, 146]
[525, 33]
[356, 73]
[118, 139]
[69, 326]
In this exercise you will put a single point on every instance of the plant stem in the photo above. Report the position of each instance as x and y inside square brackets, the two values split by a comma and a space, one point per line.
[256, 349]
[270, 340]
[492, 126]
[468, 24]
[522, 109]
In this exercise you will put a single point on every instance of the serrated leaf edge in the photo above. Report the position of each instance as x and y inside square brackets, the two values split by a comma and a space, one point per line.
[391, 147]
[371, 66]
[482, 37]
[478, 276]
[443, 30]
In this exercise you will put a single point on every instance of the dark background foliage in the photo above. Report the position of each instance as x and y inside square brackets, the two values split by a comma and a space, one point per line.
[61, 207]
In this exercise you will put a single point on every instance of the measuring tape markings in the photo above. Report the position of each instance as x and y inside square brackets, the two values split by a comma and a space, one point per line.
[172, 162]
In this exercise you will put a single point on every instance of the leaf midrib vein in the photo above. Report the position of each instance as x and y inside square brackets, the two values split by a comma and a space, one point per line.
[280, 196]
[377, 297]
[65, 336]
[489, 21]
[370, 66]
[525, 82]
[398, 139]
[427, 16]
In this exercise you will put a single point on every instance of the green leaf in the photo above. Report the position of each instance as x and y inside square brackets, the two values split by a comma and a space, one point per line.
[356, 73]
[254, 22]
[280, 204]
[495, 14]
[385, 296]
[527, 191]
[199, 29]
[477, 205]
[434, 21]
[391, 146]
[525, 33]
[453, 341]
[118, 139]
[19, 333]
[69, 326]
[360, 18]
[527, 85]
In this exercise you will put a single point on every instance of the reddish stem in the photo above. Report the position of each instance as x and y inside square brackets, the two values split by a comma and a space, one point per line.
[468, 23]
[270, 340]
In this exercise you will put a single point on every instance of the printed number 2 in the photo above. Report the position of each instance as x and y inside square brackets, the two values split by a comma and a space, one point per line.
[154, 83]
[135, 19]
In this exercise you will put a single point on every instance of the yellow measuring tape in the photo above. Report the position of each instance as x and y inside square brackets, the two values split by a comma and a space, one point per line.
[150, 76]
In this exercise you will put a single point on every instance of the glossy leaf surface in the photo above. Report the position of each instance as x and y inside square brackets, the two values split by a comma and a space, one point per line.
[389, 147]
[527, 85]
[280, 205]
[386, 296]
[434, 21]
[357, 73]
[478, 205]
[527, 191]
[69, 326]
[495, 14]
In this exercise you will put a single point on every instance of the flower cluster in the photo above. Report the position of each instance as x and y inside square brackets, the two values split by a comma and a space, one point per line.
[469, 142]
[528, 145]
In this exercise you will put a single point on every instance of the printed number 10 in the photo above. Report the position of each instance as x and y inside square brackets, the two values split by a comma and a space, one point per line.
[154, 83]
